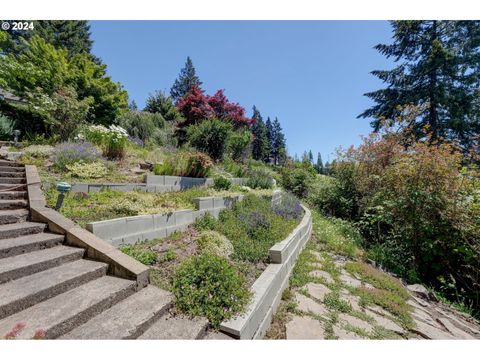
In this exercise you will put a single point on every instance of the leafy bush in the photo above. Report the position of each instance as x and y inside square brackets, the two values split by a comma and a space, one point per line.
[69, 153]
[205, 222]
[289, 207]
[210, 136]
[93, 170]
[234, 168]
[147, 127]
[297, 180]
[221, 183]
[184, 163]
[253, 228]
[259, 179]
[146, 257]
[6, 127]
[38, 151]
[112, 140]
[239, 144]
[208, 285]
[212, 242]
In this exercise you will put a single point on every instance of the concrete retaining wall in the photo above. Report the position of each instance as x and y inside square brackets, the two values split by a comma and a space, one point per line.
[129, 230]
[153, 183]
[267, 289]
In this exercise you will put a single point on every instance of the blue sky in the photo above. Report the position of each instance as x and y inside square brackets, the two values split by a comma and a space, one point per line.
[310, 74]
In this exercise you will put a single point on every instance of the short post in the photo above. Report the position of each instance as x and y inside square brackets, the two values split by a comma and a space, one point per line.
[62, 188]
[16, 133]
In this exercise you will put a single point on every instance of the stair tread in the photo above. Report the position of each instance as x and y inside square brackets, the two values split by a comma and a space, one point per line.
[36, 257]
[13, 194]
[176, 327]
[22, 225]
[126, 319]
[32, 239]
[14, 211]
[60, 313]
[14, 201]
[38, 285]
[28, 239]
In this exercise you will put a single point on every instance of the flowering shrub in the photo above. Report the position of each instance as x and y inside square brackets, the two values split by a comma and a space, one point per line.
[289, 207]
[212, 242]
[208, 285]
[253, 228]
[68, 153]
[113, 139]
[92, 170]
[259, 179]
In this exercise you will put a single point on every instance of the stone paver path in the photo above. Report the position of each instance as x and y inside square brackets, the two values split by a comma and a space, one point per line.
[328, 307]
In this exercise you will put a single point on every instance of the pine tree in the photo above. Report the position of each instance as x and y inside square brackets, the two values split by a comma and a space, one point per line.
[260, 145]
[327, 167]
[319, 165]
[438, 69]
[133, 105]
[310, 157]
[73, 35]
[160, 103]
[186, 79]
[279, 151]
[270, 137]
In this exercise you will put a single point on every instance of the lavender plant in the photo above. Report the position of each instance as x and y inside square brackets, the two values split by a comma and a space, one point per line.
[69, 153]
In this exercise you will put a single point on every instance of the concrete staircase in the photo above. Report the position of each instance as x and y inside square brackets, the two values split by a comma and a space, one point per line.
[47, 285]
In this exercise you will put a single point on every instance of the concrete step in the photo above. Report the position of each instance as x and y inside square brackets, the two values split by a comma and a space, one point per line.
[12, 195]
[13, 187]
[128, 319]
[15, 267]
[12, 169]
[28, 243]
[20, 229]
[170, 327]
[13, 216]
[20, 294]
[13, 204]
[12, 180]
[64, 312]
[11, 164]
[12, 174]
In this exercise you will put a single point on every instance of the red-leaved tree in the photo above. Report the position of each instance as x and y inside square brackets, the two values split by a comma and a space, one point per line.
[197, 106]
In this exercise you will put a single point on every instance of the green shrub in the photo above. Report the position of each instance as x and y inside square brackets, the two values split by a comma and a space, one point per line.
[234, 168]
[6, 127]
[185, 163]
[297, 181]
[140, 124]
[146, 257]
[168, 256]
[38, 151]
[212, 242]
[92, 170]
[253, 228]
[208, 285]
[205, 222]
[221, 183]
[239, 144]
[259, 179]
[210, 136]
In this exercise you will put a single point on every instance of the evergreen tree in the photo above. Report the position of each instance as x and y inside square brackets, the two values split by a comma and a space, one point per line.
[186, 79]
[270, 137]
[310, 157]
[326, 169]
[319, 165]
[260, 145]
[162, 104]
[72, 35]
[133, 105]
[438, 69]
[279, 151]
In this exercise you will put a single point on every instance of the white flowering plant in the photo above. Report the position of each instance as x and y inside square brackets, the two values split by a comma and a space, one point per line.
[113, 140]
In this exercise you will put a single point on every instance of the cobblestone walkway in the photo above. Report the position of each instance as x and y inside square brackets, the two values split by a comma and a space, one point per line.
[341, 299]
